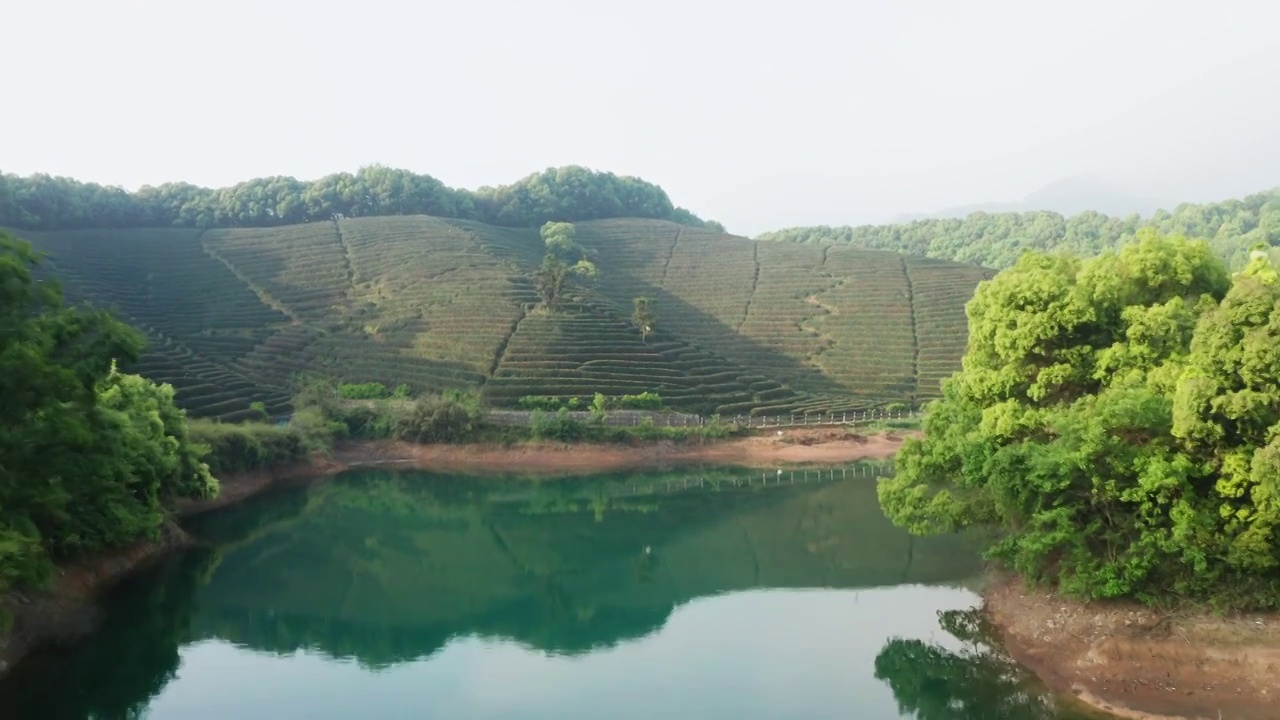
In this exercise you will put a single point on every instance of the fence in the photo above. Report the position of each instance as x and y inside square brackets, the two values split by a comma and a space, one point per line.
[767, 478]
[633, 418]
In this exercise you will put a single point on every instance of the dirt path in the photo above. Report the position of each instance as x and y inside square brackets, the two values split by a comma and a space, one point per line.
[1135, 663]
[812, 446]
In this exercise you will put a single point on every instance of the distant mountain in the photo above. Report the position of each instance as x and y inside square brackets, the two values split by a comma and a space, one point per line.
[1067, 196]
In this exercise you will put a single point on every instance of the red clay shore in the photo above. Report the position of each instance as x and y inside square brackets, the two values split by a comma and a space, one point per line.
[797, 446]
[1136, 663]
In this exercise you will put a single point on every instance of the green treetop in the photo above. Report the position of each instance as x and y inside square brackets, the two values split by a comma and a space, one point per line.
[88, 456]
[1116, 424]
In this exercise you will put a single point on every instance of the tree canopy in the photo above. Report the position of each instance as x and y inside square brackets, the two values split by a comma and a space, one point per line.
[88, 456]
[42, 202]
[565, 259]
[1232, 227]
[1116, 426]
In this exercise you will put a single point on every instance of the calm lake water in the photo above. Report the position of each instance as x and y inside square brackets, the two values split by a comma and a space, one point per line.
[703, 593]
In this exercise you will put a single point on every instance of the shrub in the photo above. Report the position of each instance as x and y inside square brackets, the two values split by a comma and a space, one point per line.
[549, 403]
[557, 427]
[367, 423]
[446, 418]
[363, 391]
[247, 446]
[259, 408]
[402, 392]
[643, 401]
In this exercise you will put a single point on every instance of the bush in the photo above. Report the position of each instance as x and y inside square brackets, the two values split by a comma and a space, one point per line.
[402, 392]
[367, 423]
[643, 401]
[259, 408]
[557, 427]
[447, 418]
[363, 391]
[247, 446]
[549, 403]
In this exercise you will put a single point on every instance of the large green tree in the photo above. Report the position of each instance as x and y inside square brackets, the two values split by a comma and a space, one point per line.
[88, 456]
[1113, 425]
[565, 259]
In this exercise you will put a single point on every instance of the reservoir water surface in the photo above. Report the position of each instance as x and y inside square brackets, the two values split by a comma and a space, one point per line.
[696, 593]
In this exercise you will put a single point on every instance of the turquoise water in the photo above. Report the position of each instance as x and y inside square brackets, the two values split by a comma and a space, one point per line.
[695, 594]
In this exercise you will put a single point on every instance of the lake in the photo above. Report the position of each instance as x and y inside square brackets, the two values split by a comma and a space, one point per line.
[697, 593]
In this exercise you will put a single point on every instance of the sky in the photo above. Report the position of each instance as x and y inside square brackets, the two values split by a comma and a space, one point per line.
[758, 114]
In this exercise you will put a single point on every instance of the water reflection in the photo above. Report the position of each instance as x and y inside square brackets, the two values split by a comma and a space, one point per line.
[976, 680]
[385, 569]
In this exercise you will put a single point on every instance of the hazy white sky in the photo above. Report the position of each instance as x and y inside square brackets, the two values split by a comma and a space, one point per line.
[760, 115]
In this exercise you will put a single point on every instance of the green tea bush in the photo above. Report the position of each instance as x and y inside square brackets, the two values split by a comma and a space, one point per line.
[363, 391]
[643, 401]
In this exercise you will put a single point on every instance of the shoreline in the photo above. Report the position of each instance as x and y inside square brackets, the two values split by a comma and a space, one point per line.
[68, 609]
[1132, 662]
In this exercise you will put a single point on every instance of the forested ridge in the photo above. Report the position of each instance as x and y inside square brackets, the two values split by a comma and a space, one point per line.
[89, 456]
[1116, 424]
[572, 193]
[1232, 228]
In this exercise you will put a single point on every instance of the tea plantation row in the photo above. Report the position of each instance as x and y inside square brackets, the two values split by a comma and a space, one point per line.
[237, 315]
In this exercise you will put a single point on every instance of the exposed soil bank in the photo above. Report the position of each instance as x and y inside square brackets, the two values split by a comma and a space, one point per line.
[68, 610]
[1136, 663]
[816, 446]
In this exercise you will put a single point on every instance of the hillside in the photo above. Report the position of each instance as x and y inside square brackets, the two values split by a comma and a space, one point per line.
[234, 315]
[995, 240]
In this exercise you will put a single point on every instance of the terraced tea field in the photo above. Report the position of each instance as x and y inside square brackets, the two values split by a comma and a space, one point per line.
[236, 315]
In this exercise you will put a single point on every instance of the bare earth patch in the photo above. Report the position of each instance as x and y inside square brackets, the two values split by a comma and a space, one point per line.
[1137, 663]
[816, 446]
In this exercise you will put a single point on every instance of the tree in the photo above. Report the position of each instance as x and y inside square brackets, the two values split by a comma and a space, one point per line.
[564, 259]
[89, 456]
[1115, 424]
[643, 316]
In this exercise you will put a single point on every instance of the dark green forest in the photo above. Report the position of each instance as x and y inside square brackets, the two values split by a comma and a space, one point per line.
[1116, 426]
[995, 240]
[568, 194]
[89, 457]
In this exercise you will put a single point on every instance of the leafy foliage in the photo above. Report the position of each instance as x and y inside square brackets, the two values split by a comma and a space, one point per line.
[559, 426]
[447, 418]
[238, 447]
[1232, 227]
[88, 456]
[565, 259]
[1117, 422]
[643, 316]
[363, 391]
[42, 202]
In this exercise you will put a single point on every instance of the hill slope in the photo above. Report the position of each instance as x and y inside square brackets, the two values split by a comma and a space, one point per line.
[1232, 228]
[235, 314]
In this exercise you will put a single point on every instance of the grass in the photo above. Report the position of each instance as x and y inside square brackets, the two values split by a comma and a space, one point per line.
[235, 315]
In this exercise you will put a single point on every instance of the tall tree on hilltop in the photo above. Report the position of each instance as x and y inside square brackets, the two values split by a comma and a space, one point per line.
[565, 259]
